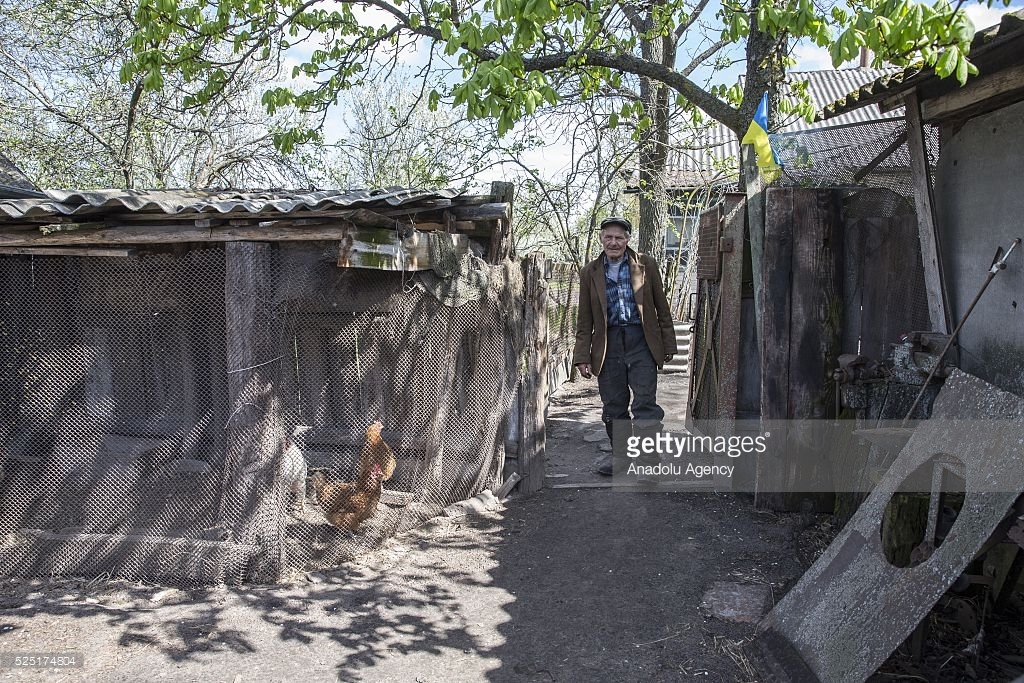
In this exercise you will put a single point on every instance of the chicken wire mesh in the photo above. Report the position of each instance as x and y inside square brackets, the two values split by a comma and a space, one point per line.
[165, 415]
[563, 305]
[866, 154]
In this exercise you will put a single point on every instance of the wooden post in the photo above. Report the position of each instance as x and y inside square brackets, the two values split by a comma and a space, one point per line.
[535, 382]
[938, 305]
[503, 245]
[731, 295]
[254, 432]
[802, 330]
[756, 229]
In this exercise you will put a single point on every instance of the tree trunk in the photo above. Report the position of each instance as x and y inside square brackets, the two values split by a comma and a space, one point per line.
[653, 203]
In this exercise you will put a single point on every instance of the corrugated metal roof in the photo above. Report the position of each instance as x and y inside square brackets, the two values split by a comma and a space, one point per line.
[712, 156]
[92, 203]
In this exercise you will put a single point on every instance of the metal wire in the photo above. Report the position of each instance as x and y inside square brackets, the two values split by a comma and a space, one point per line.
[130, 449]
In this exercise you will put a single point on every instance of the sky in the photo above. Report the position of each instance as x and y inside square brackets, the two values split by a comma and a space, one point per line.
[553, 158]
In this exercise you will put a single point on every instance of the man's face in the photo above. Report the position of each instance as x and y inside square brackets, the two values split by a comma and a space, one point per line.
[614, 240]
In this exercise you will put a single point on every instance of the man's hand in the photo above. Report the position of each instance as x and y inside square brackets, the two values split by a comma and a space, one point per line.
[584, 369]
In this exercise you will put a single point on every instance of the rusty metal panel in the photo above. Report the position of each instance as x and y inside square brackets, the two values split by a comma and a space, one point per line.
[853, 608]
[731, 294]
[709, 232]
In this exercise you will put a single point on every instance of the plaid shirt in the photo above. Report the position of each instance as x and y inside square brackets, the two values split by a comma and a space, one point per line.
[621, 304]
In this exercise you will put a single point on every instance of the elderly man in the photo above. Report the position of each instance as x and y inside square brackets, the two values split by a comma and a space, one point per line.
[624, 330]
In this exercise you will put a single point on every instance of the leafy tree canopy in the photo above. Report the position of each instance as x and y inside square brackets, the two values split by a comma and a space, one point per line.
[512, 54]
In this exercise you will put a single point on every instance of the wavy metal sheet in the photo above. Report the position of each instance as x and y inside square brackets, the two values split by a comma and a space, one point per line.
[172, 202]
[712, 155]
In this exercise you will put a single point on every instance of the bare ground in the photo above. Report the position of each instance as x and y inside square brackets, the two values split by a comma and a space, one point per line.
[564, 585]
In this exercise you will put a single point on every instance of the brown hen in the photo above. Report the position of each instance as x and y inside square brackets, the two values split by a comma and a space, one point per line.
[346, 504]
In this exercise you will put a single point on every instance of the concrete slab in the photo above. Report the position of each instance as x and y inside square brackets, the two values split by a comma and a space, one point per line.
[853, 608]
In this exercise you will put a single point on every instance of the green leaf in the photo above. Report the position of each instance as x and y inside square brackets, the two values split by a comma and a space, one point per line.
[947, 62]
[962, 69]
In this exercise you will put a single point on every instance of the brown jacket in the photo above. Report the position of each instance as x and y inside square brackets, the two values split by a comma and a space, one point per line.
[592, 321]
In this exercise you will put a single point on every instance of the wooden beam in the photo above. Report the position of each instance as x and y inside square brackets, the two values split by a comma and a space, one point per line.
[877, 161]
[938, 308]
[731, 293]
[171, 234]
[65, 251]
[502, 242]
[360, 247]
[978, 95]
[534, 383]
[484, 212]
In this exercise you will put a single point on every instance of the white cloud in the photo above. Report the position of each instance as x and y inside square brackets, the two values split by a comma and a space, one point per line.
[984, 16]
[810, 57]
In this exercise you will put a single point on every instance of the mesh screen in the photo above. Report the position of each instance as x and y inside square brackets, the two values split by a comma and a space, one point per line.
[165, 415]
[872, 154]
[563, 305]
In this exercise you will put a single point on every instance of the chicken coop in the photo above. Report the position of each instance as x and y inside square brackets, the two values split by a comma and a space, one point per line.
[182, 369]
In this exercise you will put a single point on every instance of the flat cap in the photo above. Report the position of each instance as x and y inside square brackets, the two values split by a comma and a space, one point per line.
[617, 220]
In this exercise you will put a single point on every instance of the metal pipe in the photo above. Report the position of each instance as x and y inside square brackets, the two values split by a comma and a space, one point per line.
[998, 264]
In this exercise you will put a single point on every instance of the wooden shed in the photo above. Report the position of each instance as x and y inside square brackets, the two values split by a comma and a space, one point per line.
[176, 361]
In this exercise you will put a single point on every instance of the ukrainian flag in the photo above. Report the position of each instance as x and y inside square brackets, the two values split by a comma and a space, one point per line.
[757, 135]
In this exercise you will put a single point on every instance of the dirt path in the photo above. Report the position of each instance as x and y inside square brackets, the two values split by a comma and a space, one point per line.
[564, 585]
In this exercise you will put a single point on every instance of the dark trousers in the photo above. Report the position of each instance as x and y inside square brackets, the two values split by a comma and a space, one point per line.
[629, 371]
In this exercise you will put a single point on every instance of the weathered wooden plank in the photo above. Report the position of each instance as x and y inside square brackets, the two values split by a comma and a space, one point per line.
[802, 327]
[775, 303]
[65, 251]
[500, 210]
[756, 231]
[731, 294]
[502, 242]
[169, 234]
[535, 380]
[361, 247]
[938, 307]
[815, 320]
[977, 95]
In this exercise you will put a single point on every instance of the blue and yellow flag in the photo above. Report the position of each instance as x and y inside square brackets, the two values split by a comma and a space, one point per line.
[757, 135]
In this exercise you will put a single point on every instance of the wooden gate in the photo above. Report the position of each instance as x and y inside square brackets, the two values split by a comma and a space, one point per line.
[715, 310]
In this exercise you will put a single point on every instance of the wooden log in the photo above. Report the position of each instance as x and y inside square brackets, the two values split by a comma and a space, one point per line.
[502, 242]
[534, 385]
[938, 303]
